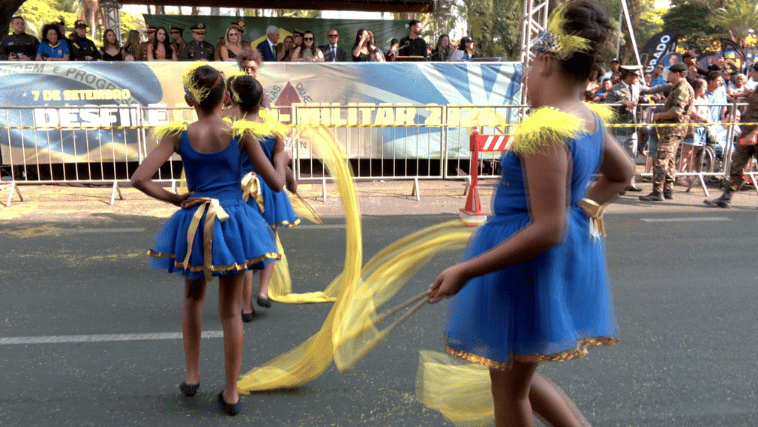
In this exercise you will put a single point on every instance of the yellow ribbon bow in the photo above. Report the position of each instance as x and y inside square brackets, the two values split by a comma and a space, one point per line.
[215, 211]
[251, 187]
[595, 212]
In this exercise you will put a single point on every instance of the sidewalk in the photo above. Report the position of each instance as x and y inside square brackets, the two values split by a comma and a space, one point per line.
[50, 203]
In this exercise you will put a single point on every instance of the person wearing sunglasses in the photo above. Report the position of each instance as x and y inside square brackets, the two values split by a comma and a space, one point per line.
[332, 51]
[308, 52]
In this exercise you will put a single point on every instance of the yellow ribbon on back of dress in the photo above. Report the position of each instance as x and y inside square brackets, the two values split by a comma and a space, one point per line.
[215, 211]
[251, 187]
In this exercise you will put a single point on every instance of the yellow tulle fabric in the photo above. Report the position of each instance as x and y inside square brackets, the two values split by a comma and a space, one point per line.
[311, 358]
[169, 129]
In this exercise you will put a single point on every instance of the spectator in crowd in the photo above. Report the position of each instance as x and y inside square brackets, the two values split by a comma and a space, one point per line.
[129, 57]
[297, 42]
[692, 146]
[752, 77]
[52, 47]
[465, 50]
[240, 27]
[177, 38]
[657, 75]
[232, 46]
[308, 52]
[361, 49]
[331, 50]
[82, 48]
[285, 49]
[648, 79]
[592, 84]
[413, 44]
[249, 62]
[132, 44]
[161, 48]
[693, 71]
[268, 46]
[151, 29]
[376, 54]
[627, 93]
[602, 91]
[738, 89]
[716, 95]
[111, 50]
[392, 53]
[718, 134]
[614, 64]
[198, 49]
[443, 51]
[18, 46]
[676, 111]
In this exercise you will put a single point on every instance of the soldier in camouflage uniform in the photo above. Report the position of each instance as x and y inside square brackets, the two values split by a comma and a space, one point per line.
[676, 110]
[746, 149]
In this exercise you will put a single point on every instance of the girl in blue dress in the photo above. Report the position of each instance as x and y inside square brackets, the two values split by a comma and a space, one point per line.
[533, 286]
[275, 206]
[215, 233]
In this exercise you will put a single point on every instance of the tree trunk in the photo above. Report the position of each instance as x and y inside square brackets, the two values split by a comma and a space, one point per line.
[7, 9]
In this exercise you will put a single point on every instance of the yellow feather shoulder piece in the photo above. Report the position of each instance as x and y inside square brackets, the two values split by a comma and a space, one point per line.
[170, 129]
[544, 129]
[277, 128]
[256, 129]
[606, 113]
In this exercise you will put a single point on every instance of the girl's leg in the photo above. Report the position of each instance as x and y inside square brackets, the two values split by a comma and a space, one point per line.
[229, 296]
[553, 405]
[510, 392]
[192, 325]
[247, 293]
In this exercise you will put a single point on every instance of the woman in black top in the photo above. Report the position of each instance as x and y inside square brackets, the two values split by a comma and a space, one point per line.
[111, 50]
[443, 51]
[361, 51]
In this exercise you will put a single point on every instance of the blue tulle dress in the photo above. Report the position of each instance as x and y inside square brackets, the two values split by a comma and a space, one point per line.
[553, 307]
[242, 242]
[277, 208]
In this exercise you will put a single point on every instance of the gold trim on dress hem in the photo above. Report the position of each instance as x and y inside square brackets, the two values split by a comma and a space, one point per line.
[581, 350]
[287, 223]
[216, 268]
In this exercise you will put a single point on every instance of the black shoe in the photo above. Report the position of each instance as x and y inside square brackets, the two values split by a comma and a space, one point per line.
[228, 408]
[668, 194]
[248, 317]
[652, 197]
[263, 302]
[633, 188]
[189, 390]
[718, 203]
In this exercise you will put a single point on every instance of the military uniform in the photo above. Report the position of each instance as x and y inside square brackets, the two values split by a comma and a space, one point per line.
[664, 165]
[81, 48]
[196, 51]
[15, 44]
[178, 45]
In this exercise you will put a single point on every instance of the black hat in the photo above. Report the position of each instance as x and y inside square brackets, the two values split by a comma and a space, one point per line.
[615, 60]
[678, 68]
[175, 29]
[198, 28]
[239, 26]
[80, 24]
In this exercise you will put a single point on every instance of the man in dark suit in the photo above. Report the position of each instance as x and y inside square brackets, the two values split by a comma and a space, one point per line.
[268, 46]
[332, 51]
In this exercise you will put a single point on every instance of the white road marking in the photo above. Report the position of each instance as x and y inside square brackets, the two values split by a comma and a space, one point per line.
[99, 230]
[687, 219]
[64, 339]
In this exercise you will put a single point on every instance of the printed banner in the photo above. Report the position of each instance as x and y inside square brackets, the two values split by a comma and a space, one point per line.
[658, 47]
[57, 103]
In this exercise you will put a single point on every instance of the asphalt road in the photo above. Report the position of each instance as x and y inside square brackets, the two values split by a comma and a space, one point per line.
[91, 337]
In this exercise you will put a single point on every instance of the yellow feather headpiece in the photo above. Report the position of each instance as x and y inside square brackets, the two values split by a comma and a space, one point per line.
[545, 128]
[230, 80]
[190, 84]
[170, 129]
[556, 42]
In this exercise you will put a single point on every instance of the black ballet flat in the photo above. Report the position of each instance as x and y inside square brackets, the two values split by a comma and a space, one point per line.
[189, 390]
[263, 302]
[248, 317]
[230, 409]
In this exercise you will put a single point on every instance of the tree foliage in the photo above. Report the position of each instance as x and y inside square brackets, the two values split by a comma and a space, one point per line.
[737, 19]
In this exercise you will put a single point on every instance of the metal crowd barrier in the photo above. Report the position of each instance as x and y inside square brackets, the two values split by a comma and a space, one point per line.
[82, 145]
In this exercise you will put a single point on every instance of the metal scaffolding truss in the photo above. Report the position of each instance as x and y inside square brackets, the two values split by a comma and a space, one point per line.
[111, 18]
[534, 21]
